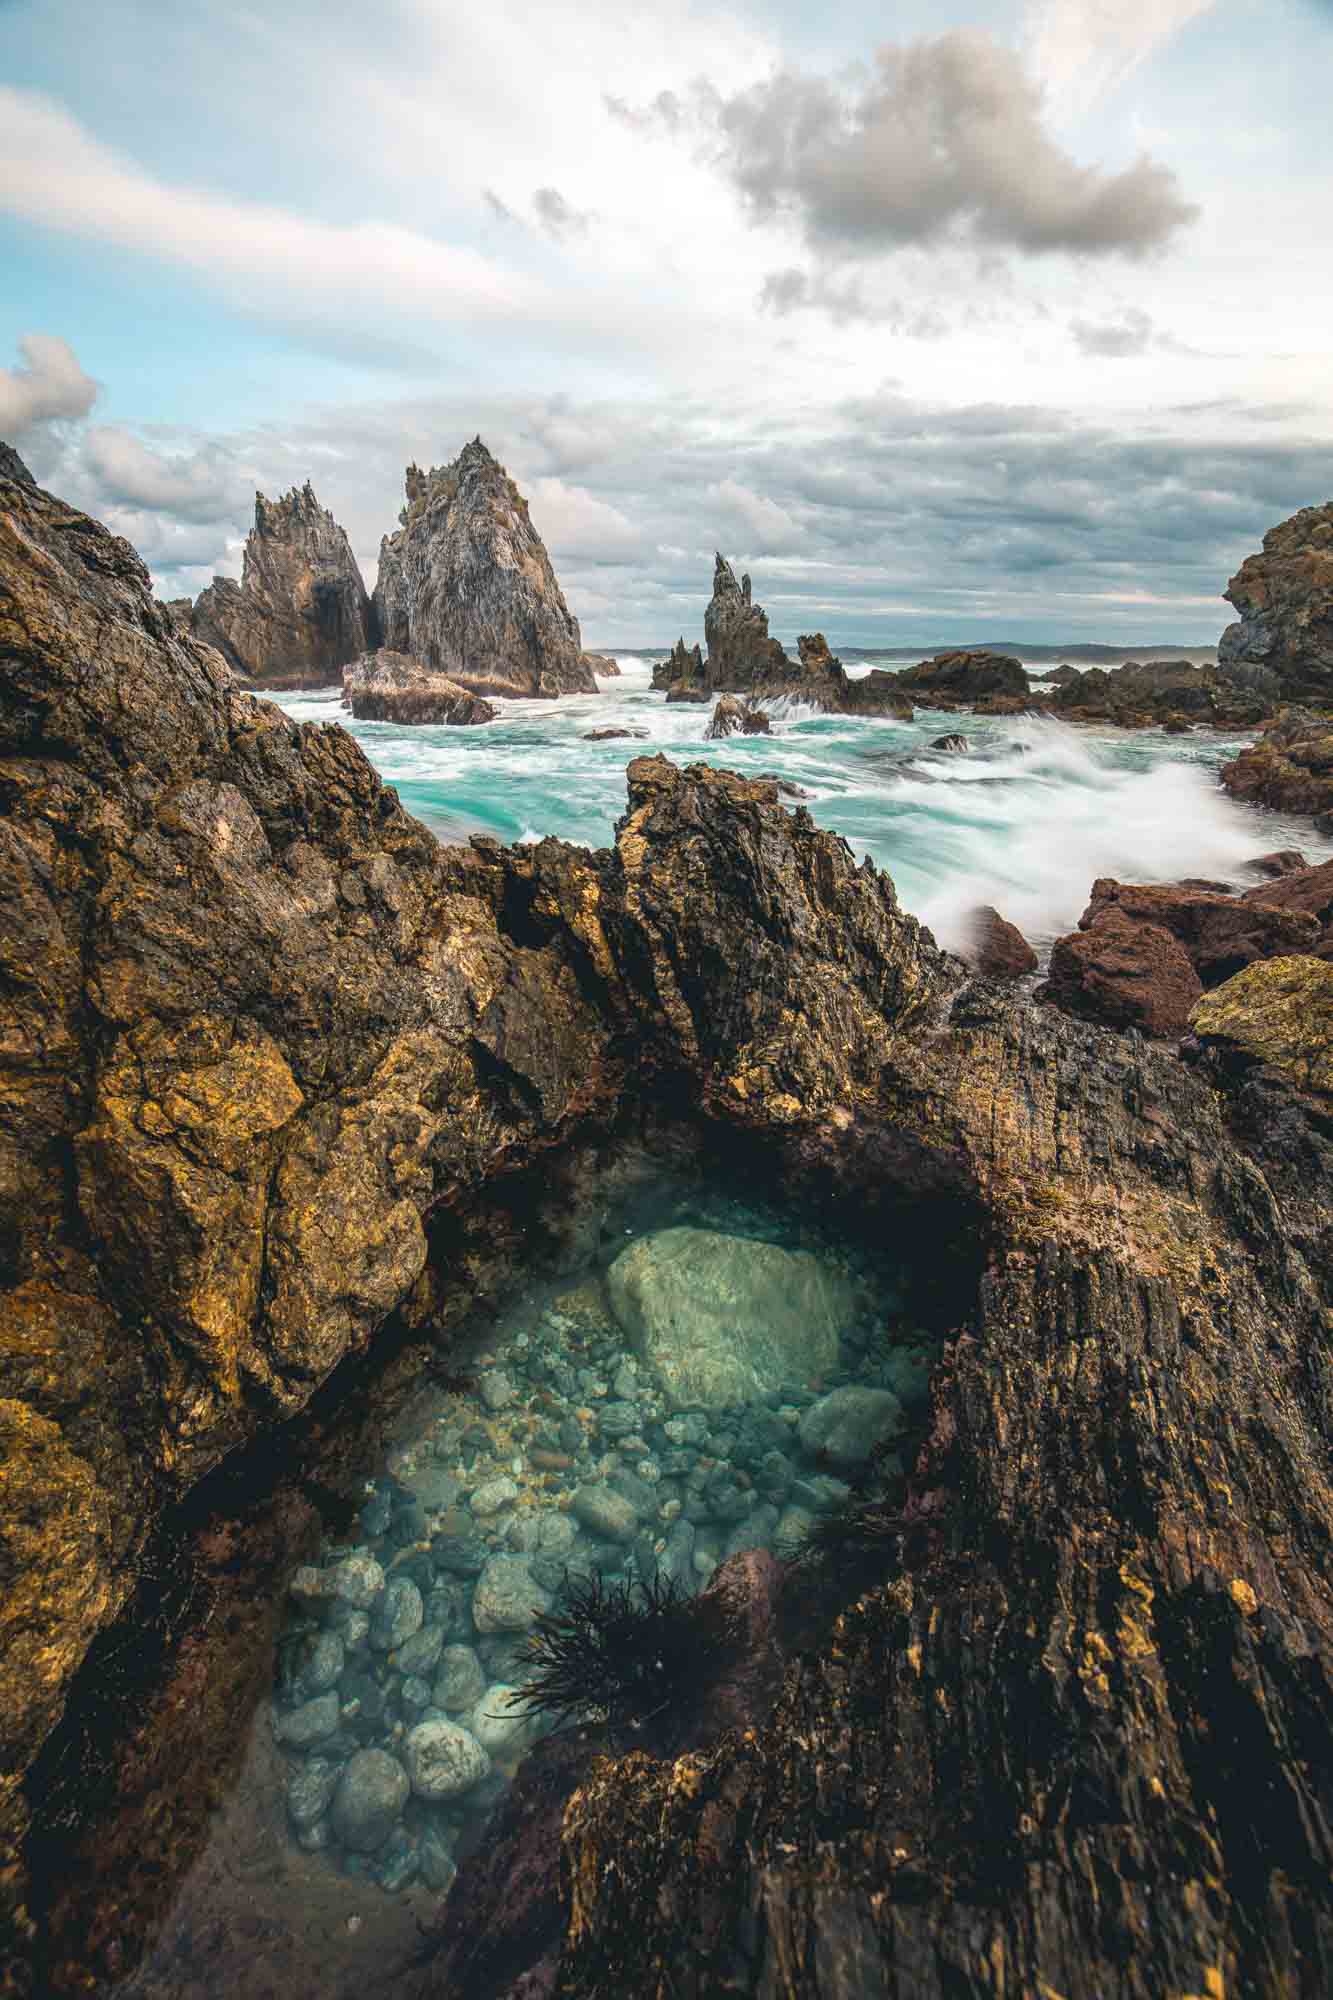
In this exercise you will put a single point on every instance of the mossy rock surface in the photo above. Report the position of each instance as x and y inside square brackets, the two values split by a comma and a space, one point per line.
[1279, 1012]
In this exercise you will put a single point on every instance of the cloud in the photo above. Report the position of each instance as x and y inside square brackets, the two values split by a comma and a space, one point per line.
[1081, 49]
[793, 290]
[49, 384]
[1132, 332]
[573, 522]
[557, 216]
[499, 209]
[769, 528]
[55, 174]
[207, 485]
[941, 141]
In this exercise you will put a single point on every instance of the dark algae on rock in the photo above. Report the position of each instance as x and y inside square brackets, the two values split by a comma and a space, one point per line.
[276, 1070]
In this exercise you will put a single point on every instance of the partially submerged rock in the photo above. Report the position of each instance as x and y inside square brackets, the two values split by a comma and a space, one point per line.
[731, 718]
[300, 611]
[1289, 768]
[1285, 599]
[389, 687]
[722, 1320]
[466, 586]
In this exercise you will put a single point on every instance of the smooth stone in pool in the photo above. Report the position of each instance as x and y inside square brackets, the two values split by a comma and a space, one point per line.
[443, 1760]
[845, 1426]
[508, 1596]
[305, 1725]
[352, 1627]
[433, 1487]
[371, 1793]
[414, 1695]
[498, 1726]
[358, 1581]
[492, 1495]
[556, 1534]
[397, 1866]
[435, 1860]
[497, 1389]
[460, 1555]
[604, 1513]
[311, 1590]
[421, 1653]
[618, 1420]
[397, 1615]
[322, 1663]
[461, 1681]
[310, 1790]
[723, 1319]
[640, 1494]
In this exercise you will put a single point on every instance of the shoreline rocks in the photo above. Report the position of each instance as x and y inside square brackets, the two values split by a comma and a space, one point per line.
[1289, 768]
[466, 587]
[1283, 641]
[300, 611]
[390, 687]
[735, 718]
[988, 683]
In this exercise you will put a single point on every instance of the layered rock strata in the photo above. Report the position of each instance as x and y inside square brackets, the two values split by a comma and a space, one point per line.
[262, 1026]
[300, 611]
[389, 687]
[466, 586]
[1283, 639]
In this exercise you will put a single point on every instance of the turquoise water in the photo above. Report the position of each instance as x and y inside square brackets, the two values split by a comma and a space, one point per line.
[1026, 820]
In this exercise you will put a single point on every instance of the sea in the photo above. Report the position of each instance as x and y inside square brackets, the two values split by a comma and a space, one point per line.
[1024, 820]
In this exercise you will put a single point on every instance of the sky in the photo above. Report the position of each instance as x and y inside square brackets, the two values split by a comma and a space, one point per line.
[1009, 321]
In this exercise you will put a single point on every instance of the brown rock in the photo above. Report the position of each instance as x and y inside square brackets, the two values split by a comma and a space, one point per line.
[1169, 694]
[1285, 600]
[996, 948]
[994, 682]
[300, 611]
[1290, 768]
[610, 735]
[388, 687]
[1283, 861]
[735, 718]
[1126, 973]
[1220, 933]
[604, 665]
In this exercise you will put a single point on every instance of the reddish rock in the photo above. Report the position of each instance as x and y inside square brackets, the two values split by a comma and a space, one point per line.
[1290, 768]
[1283, 861]
[1285, 600]
[1219, 934]
[1306, 891]
[996, 948]
[1126, 973]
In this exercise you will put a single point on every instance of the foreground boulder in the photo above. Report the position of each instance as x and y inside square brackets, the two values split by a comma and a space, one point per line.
[1284, 636]
[466, 586]
[261, 1025]
[1289, 768]
[300, 611]
[389, 687]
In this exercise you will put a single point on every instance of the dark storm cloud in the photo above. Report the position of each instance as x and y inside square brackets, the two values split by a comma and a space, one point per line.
[940, 139]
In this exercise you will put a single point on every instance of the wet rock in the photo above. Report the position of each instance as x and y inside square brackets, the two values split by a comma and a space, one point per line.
[492, 1495]
[322, 1662]
[461, 1681]
[731, 718]
[507, 1597]
[954, 744]
[300, 611]
[1144, 693]
[308, 1723]
[500, 1722]
[310, 1789]
[421, 1653]
[612, 735]
[993, 682]
[1220, 933]
[497, 1389]
[466, 586]
[433, 1487]
[604, 1513]
[312, 1590]
[460, 1555]
[1306, 891]
[845, 1426]
[376, 1515]
[397, 1865]
[398, 1614]
[556, 1533]
[358, 1581]
[371, 1793]
[1285, 599]
[996, 948]
[391, 687]
[443, 1760]
[1283, 861]
[1126, 974]
[720, 1319]
[618, 1420]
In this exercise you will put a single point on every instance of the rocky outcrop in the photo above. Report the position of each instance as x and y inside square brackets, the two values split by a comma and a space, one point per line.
[267, 1039]
[466, 586]
[1289, 768]
[992, 683]
[12, 466]
[1277, 1017]
[732, 718]
[996, 948]
[300, 611]
[603, 665]
[181, 612]
[1285, 599]
[742, 659]
[388, 687]
[1158, 693]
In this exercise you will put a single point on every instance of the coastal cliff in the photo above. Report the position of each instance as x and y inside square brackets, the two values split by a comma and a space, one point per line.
[466, 586]
[300, 611]
[266, 1038]
[1283, 639]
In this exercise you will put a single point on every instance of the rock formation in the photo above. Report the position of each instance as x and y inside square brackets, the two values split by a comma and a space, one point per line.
[300, 611]
[603, 665]
[1158, 693]
[12, 466]
[731, 718]
[388, 687]
[466, 586]
[996, 948]
[992, 683]
[742, 659]
[1285, 600]
[270, 1048]
[1290, 767]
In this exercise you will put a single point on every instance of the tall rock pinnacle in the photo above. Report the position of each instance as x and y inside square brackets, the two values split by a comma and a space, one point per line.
[301, 610]
[466, 585]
